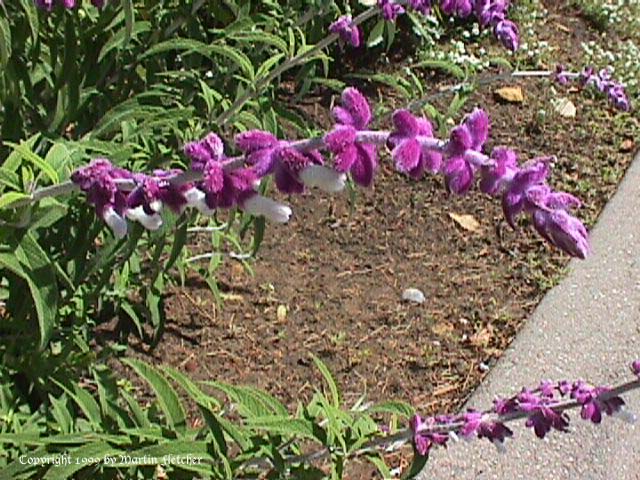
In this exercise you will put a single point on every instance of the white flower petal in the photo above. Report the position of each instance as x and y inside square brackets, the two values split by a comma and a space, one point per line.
[115, 222]
[499, 446]
[270, 209]
[150, 222]
[196, 199]
[324, 178]
[625, 415]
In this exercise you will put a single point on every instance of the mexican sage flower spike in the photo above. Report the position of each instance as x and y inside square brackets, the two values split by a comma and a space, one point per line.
[602, 81]
[357, 158]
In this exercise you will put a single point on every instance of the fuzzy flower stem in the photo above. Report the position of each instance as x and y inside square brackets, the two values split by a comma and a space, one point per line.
[404, 436]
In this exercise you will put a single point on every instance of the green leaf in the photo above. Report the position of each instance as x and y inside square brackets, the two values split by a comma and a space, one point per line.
[135, 318]
[98, 451]
[283, 425]
[262, 37]
[47, 212]
[259, 228]
[129, 17]
[376, 34]
[85, 402]
[139, 416]
[167, 396]
[401, 409]
[32, 17]
[417, 466]
[58, 157]
[28, 155]
[251, 402]
[118, 39]
[237, 57]
[380, 465]
[448, 67]
[191, 388]
[179, 241]
[31, 263]
[7, 199]
[333, 387]
[5, 42]
[61, 414]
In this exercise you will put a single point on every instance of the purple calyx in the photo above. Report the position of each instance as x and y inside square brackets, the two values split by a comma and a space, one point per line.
[355, 157]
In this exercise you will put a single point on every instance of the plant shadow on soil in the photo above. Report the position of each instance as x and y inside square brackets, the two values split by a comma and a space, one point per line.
[339, 270]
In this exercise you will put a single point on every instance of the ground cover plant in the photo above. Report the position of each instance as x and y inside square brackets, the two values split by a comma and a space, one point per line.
[143, 85]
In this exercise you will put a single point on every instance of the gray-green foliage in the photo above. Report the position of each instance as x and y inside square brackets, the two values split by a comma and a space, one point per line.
[234, 432]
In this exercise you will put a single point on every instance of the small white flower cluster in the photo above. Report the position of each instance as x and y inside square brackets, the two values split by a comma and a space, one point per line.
[621, 57]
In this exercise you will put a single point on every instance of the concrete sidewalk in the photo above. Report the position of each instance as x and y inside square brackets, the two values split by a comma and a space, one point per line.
[587, 327]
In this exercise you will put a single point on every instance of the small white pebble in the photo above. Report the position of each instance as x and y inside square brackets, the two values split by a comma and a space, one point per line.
[413, 295]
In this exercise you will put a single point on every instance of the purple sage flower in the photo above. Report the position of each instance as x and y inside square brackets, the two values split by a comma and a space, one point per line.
[604, 83]
[411, 142]
[593, 405]
[561, 75]
[222, 188]
[98, 181]
[508, 34]
[479, 424]
[390, 9]
[514, 199]
[490, 12]
[459, 8]
[499, 171]
[423, 440]
[49, 4]
[292, 168]
[357, 158]
[465, 140]
[348, 32]
[421, 6]
[541, 414]
[635, 368]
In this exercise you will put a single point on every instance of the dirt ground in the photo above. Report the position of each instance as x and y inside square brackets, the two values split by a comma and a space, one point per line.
[330, 282]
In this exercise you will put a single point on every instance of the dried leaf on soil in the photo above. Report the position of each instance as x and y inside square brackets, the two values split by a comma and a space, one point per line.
[510, 94]
[468, 222]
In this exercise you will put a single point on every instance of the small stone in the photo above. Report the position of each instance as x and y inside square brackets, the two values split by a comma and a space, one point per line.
[281, 313]
[565, 107]
[413, 295]
[627, 146]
